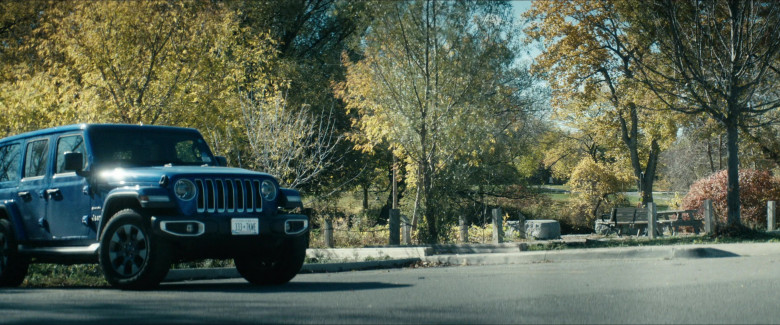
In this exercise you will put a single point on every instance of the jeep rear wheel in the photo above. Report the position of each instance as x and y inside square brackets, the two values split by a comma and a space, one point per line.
[130, 256]
[13, 267]
[275, 270]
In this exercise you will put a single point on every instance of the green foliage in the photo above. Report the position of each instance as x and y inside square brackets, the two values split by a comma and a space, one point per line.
[756, 189]
[153, 62]
[591, 62]
[435, 83]
[54, 275]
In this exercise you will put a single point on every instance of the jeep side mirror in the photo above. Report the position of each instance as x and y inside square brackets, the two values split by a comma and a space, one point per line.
[221, 161]
[74, 161]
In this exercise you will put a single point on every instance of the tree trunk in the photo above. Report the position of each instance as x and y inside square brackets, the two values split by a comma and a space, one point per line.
[720, 152]
[709, 154]
[432, 236]
[732, 194]
[365, 198]
[630, 135]
[649, 175]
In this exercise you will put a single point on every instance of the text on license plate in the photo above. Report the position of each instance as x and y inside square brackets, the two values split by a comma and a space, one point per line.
[244, 226]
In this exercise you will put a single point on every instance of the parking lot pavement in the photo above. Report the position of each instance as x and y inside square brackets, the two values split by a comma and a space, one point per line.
[481, 254]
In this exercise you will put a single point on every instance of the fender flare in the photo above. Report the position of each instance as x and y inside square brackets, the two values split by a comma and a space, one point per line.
[134, 198]
[11, 210]
[114, 200]
[290, 199]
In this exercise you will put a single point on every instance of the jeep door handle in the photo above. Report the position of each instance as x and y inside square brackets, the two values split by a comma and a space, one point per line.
[25, 195]
[52, 191]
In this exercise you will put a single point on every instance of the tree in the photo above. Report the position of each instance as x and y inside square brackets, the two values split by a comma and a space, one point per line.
[717, 58]
[593, 183]
[296, 147]
[564, 150]
[590, 61]
[435, 83]
[309, 39]
[154, 62]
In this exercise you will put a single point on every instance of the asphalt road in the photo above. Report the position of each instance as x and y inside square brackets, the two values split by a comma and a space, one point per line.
[710, 290]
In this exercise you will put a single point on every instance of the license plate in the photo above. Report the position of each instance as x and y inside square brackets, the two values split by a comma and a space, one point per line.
[244, 226]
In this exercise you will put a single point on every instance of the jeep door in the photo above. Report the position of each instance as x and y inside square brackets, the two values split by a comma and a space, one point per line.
[68, 194]
[10, 174]
[30, 194]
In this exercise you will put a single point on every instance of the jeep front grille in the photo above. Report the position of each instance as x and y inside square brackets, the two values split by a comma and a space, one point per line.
[228, 195]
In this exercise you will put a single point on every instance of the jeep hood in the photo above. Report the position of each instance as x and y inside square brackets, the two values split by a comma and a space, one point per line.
[148, 175]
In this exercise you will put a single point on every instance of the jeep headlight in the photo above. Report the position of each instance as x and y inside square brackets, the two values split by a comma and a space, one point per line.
[185, 190]
[268, 190]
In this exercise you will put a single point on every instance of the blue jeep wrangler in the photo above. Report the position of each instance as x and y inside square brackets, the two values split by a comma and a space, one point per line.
[136, 199]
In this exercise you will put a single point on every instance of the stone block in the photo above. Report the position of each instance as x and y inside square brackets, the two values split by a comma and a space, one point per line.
[514, 229]
[542, 229]
[603, 227]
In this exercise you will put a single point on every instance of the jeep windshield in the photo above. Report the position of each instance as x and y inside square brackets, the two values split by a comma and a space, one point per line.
[148, 147]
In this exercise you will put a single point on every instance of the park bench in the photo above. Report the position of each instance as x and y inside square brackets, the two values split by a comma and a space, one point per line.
[674, 219]
[622, 219]
[625, 218]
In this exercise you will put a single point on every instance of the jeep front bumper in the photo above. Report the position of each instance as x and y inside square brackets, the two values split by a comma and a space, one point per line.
[286, 225]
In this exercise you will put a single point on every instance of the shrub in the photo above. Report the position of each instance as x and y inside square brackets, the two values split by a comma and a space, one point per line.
[348, 232]
[594, 186]
[755, 189]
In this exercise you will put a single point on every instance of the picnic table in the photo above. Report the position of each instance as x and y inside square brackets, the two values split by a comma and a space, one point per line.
[622, 220]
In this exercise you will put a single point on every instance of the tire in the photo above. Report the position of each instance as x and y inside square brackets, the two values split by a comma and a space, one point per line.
[131, 257]
[275, 270]
[13, 266]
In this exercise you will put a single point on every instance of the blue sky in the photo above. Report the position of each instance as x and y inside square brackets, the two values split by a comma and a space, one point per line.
[519, 7]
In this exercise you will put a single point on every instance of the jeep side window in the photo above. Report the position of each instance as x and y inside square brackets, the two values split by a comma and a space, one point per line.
[69, 143]
[9, 163]
[36, 158]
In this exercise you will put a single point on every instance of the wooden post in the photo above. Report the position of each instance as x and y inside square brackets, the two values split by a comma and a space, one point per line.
[395, 183]
[406, 230]
[328, 233]
[498, 226]
[407, 234]
[709, 219]
[770, 215]
[464, 229]
[651, 220]
[395, 227]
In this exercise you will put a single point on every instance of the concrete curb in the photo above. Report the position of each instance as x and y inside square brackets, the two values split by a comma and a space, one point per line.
[376, 253]
[495, 255]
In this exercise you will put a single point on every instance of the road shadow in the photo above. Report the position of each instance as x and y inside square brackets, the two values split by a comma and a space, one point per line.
[289, 287]
[703, 252]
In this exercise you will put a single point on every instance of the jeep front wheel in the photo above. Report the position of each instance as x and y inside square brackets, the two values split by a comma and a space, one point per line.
[279, 269]
[13, 267]
[130, 256]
